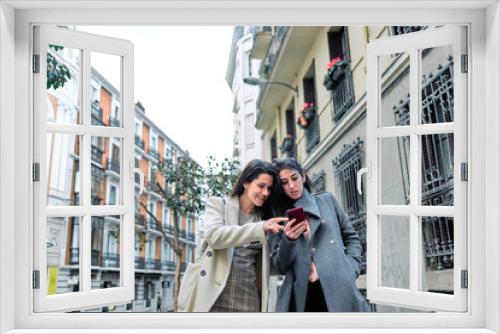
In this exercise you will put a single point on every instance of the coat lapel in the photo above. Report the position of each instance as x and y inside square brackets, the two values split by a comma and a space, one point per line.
[308, 202]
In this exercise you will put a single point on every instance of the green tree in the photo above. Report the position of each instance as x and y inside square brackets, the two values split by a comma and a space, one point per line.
[57, 73]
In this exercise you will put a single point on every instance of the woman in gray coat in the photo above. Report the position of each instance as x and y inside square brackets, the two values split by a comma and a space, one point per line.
[319, 256]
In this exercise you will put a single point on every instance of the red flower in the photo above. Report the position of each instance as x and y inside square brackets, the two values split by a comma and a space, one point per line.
[333, 62]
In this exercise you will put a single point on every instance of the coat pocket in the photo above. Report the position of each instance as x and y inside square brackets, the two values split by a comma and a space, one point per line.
[189, 285]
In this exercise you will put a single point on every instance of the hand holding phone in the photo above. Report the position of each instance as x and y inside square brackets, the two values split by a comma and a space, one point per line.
[296, 213]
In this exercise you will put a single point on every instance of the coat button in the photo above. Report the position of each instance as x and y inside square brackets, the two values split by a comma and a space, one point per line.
[322, 221]
[313, 249]
[203, 273]
[332, 241]
[209, 253]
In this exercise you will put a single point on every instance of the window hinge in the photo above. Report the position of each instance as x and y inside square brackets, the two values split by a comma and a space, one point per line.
[36, 279]
[36, 63]
[464, 171]
[36, 172]
[464, 279]
[465, 66]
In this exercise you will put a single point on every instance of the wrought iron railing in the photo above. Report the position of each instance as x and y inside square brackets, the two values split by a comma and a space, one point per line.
[342, 94]
[140, 219]
[111, 260]
[115, 122]
[153, 264]
[274, 50]
[96, 114]
[312, 134]
[191, 236]
[437, 163]
[318, 182]
[95, 257]
[140, 262]
[96, 154]
[346, 166]
[114, 165]
[154, 153]
[152, 225]
[168, 265]
[400, 30]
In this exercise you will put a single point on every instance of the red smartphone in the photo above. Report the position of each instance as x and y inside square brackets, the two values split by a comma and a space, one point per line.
[297, 213]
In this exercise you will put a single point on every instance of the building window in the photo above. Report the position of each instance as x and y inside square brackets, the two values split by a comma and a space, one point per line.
[346, 165]
[318, 182]
[249, 129]
[112, 195]
[312, 130]
[274, 147]
[288, 145]
[437, 163]
[338, 79]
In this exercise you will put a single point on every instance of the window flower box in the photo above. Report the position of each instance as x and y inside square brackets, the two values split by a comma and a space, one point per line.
[336, 69]
[307, 114]
[287, 144]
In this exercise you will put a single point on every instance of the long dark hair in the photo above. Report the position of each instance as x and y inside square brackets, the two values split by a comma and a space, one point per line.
[252, 170]
[283, 202]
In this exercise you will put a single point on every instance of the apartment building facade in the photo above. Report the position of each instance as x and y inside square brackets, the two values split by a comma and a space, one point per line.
[247, 140]
[321, 120]
[154, 258]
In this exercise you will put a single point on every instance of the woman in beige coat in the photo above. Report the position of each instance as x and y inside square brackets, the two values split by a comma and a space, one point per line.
[234, 271]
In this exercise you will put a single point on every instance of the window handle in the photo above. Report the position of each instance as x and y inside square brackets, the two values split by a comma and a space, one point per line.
[359, 175]
[141, 176]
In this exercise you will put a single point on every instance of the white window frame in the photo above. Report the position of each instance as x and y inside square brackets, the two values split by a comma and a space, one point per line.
[483, 123]
[86, 297]
[413, 295]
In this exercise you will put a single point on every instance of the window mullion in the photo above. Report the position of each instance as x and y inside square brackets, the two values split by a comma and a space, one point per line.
[413, 168]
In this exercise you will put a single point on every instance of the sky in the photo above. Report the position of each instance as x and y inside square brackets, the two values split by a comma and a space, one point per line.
[180, 80]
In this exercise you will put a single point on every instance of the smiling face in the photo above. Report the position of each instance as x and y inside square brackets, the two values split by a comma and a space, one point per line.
[292, 183]
[258, 190]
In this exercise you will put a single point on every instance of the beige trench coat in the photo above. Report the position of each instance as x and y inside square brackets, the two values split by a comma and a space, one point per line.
[222, 234]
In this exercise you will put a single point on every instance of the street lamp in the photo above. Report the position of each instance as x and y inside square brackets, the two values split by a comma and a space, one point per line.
[259, 82]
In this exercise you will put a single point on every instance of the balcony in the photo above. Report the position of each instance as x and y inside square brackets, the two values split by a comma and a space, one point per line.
[153, 264]
[154, 153]
[114, 165]
[168, 229]
[140, 219]
[262, 36]
[153, 187]
[285, 55]
[96, 200]
[115, 122]
[111, 260]
[96, 257]
[140, 263]
[152, 225]
[191, 236]
[96, 154]
[139, 142]
[96, 114]
[168, 266]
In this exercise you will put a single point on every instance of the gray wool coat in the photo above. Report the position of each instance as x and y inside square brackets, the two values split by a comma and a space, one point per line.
[336, 250]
